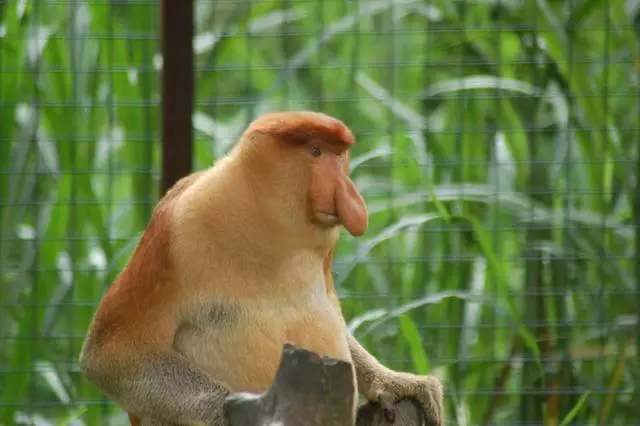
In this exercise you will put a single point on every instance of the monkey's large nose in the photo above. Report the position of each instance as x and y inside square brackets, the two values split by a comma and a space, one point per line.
[351, 208]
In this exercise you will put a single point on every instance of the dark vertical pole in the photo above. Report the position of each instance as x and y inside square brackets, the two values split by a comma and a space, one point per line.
[636, 217]
[177, 90]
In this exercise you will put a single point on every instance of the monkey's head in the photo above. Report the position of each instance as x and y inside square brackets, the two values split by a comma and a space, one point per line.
[299, 163]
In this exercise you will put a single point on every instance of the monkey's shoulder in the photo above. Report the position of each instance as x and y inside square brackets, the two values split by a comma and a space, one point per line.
[180, 187]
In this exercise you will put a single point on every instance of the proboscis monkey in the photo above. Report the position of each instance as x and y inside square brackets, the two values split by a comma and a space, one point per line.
[235, 262]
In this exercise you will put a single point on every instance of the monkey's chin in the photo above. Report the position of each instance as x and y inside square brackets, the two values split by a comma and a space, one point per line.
[327, 219]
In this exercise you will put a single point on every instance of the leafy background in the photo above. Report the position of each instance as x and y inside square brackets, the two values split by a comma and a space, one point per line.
[497, 150]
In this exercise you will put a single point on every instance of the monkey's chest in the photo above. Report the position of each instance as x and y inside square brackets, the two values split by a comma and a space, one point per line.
[243, 347]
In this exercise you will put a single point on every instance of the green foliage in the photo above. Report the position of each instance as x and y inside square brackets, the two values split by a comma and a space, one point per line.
[497, 150]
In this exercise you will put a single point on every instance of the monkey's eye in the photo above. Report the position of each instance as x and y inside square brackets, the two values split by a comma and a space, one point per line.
[315, 151]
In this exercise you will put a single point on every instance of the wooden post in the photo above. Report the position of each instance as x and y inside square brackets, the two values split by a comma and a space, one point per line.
[177, 90]
[311, 390]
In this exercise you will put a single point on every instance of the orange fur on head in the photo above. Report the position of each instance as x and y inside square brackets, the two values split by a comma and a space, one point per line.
[301, 126]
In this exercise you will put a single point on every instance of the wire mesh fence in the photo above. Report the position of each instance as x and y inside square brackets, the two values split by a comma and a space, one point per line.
[498, 151]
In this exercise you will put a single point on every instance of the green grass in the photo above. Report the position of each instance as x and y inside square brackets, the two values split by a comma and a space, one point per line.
[500, 175]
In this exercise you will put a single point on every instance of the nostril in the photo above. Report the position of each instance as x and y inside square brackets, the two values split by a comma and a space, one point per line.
[327, 218]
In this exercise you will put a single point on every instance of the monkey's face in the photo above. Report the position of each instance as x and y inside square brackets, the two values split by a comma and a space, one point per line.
[333, 198]
[300, 166]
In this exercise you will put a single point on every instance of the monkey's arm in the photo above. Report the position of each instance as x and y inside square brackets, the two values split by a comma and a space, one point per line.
[385, 386]
[128, 351]
[128, 354]
[369, 370]
[160, 385]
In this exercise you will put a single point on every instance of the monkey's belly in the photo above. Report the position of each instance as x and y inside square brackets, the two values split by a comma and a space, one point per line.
[246, 352]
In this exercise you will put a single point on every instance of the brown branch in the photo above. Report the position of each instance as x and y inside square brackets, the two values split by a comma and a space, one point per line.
[311, 390]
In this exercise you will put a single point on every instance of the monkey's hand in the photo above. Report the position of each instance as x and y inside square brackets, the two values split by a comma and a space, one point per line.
[388, 389]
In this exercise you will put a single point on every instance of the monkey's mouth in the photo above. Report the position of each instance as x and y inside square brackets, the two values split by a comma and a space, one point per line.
[327, 218]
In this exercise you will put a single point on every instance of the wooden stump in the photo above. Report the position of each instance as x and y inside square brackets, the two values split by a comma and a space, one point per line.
[312, 390]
